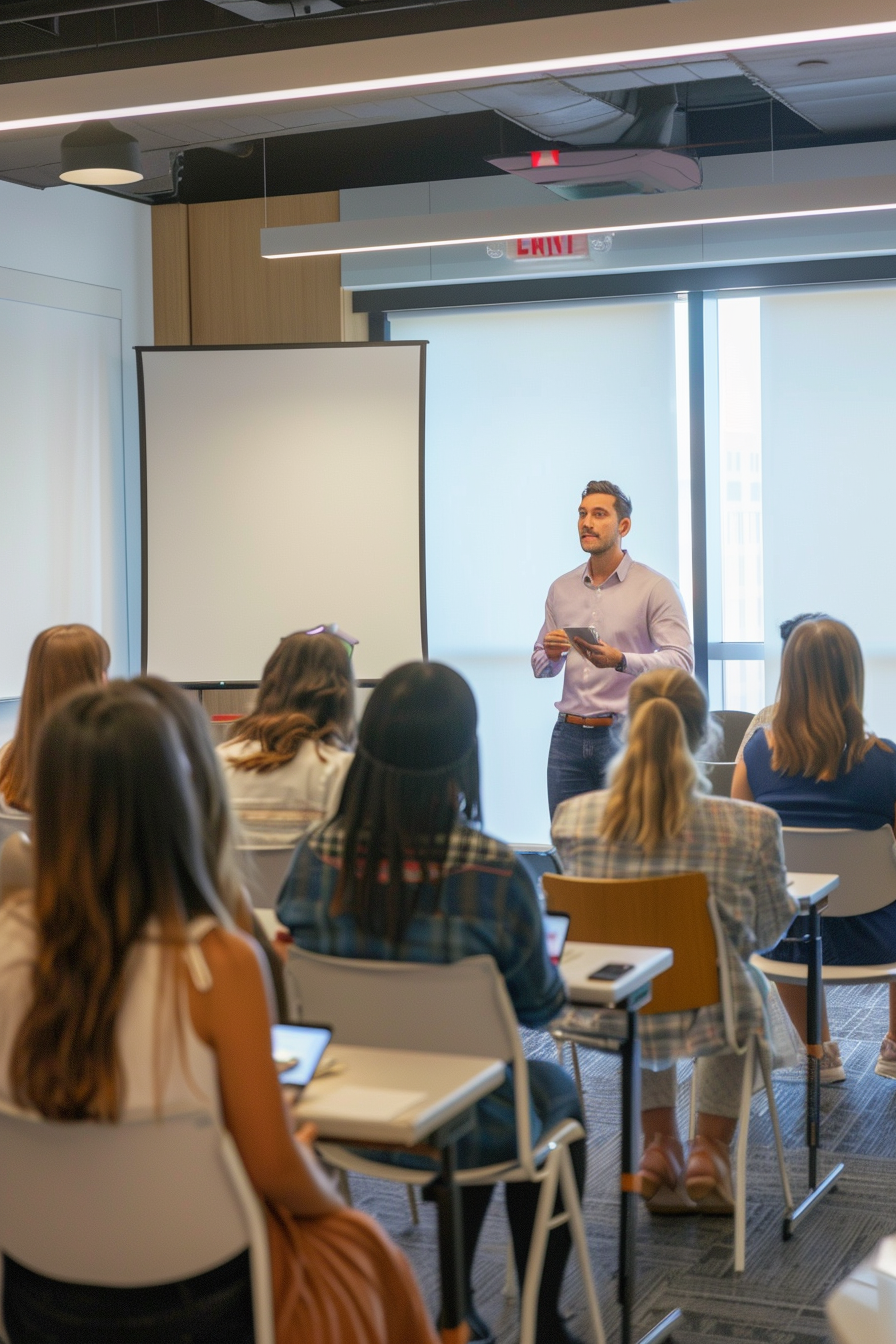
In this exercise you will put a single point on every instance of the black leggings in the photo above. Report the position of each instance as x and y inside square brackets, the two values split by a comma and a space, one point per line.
[213, 1308]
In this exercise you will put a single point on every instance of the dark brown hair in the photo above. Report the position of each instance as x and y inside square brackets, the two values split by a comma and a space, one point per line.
[117, 842]
[416, 770]
[61, 659]
[306, 694]
[621, 502]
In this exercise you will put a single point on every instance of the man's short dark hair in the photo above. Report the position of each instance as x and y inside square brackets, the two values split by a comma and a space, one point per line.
[621, 502]
[787, 627]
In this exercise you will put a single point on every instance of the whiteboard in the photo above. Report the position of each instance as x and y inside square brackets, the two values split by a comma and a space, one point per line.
[282, 489]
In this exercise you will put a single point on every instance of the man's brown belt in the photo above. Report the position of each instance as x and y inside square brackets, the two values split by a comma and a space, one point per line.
[603, 722]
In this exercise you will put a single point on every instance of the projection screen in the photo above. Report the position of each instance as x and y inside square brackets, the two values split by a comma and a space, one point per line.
[282, 489]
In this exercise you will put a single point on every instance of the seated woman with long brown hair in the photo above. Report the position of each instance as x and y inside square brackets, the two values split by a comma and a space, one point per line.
[286, 761]
[818, 766]
[653, 820]
[124, 957]
[61, 659]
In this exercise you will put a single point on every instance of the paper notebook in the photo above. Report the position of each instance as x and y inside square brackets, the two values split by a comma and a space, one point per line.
[362, 1103]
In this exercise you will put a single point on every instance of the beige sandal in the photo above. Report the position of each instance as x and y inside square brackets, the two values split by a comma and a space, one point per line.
[708, 1176]
[662, 1178]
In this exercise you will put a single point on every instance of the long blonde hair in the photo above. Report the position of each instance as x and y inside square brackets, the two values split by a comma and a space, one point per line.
[61, 659]
[657, 777]
[818, 728]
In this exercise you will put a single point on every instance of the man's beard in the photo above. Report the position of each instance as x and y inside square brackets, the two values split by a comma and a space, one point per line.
[601, 550]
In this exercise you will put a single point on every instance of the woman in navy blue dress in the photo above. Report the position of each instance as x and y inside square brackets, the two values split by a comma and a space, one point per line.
[817, 765]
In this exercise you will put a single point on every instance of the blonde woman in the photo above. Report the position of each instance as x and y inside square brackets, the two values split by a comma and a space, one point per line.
[286, 762]
[817, 765]
[653, 820]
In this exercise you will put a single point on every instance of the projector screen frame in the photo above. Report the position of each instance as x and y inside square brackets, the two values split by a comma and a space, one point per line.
[140, 351]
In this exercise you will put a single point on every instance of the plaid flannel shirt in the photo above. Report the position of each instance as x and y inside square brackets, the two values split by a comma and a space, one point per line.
[487, 904]
[739, 848]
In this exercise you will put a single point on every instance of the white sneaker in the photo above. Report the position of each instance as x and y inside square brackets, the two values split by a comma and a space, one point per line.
[832, 1070]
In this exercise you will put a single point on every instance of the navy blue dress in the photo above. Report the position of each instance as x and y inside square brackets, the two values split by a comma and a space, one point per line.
[863, 800]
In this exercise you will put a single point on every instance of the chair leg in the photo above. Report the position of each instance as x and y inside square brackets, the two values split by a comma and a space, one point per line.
[540, 1232]
[692, 1104]
[559, 1046]
[740, 1183]
[412, 1201]
[578, 1075]
[765, 1066]
[510, 1285]
[573, 1207]
[345, 1189]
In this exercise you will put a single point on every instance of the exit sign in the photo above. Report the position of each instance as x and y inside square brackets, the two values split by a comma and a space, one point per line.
[555, 245]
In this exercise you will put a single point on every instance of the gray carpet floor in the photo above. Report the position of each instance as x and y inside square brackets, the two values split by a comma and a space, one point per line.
[687, 1262]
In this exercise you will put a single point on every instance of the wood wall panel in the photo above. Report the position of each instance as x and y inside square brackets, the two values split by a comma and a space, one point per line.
[171, 274]
[238, 298]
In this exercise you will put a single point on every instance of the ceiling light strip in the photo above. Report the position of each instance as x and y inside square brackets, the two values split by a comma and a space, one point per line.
[733, 41]
[725, 205]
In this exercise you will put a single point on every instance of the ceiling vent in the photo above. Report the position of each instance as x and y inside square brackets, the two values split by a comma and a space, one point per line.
[260, 11]
[640, 162]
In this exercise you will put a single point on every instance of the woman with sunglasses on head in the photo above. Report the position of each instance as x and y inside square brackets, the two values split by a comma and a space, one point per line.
[287, 760]
[400, 875]
[126, 990]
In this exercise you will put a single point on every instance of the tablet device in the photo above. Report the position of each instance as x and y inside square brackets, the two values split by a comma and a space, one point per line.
[586, 632]
[297, 1051]
[556, 927]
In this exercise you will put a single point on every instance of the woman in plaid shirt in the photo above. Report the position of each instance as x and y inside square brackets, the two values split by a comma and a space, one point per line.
[654, 820]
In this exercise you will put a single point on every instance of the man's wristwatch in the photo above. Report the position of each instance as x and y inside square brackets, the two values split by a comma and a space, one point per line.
[621, 665]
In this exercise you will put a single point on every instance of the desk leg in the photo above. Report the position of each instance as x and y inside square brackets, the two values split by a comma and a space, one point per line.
[446, 1195]
[814, 1053]
[630, 1181]
[630, 1186]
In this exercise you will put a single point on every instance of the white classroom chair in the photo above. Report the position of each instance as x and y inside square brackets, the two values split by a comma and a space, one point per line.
[461, 1009]
[131, 1204]
[264, 871]
[866, 864]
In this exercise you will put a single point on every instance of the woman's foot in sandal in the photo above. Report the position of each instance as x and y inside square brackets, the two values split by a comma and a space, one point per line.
[708, 1176]
[662, 1177]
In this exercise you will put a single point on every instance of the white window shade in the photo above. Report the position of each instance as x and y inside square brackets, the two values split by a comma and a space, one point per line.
[524, 406]
[61, 480]
[829, 473]
[282, 491]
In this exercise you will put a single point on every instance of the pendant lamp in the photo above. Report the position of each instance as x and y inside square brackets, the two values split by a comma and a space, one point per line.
[98, 154]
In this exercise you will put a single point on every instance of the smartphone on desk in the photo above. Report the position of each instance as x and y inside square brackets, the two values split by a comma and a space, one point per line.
[614, 970]
[297, 1051]
[556, 927]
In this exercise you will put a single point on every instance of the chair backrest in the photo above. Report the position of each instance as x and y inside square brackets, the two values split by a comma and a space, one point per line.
[864, 860]
[720, 775]
[671, 911]
[733, 723]
[264, 871]
[130, 1204]
[462, 1008]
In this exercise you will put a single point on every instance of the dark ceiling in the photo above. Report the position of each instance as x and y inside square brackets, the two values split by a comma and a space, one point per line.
[70, 37]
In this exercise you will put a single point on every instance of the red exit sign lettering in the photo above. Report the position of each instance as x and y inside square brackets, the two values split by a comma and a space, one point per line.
[556, 245]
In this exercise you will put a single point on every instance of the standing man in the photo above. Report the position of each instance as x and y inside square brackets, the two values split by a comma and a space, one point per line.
[640, 623]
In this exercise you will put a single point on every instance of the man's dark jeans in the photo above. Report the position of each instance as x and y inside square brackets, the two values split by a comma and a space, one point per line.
[578, 760]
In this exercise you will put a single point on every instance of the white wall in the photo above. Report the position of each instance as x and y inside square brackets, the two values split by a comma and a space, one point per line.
[70, 233]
